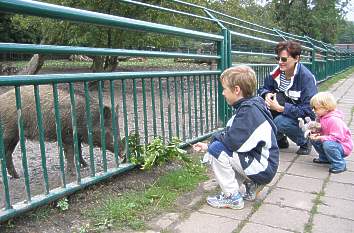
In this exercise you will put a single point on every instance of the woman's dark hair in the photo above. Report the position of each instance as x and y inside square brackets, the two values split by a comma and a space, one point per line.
[293, 48]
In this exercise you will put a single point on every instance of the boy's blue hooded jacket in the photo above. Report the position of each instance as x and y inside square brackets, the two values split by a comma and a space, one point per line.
[250, 135]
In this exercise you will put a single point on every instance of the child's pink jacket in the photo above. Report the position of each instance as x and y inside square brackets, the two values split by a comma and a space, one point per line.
[334, 129]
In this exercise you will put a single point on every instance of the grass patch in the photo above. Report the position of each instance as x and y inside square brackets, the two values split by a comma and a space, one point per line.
[149, 62]
[324, 86]
[133, 209]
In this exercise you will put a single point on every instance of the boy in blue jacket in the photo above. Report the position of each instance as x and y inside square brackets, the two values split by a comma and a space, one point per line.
[246, 150]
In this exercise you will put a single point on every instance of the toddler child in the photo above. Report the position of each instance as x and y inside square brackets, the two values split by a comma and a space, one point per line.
[334, 142]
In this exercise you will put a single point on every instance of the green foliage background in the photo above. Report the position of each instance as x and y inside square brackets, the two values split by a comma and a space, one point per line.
[320, 19]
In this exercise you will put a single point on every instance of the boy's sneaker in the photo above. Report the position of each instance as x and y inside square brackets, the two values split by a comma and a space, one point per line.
[234, 201]
[252, 190]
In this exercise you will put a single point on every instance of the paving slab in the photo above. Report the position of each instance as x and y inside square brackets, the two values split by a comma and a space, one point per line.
[258, 228]
[306, 159]
[328, 224]
[284, 217]
[275, 179]
[287, 155]
[299, 183]
[351, 157]
[262, 194]
[207, 223]
[344, 177]
[308, 170]
[339, 190]
[291, 198]
[283, 165]
[350, 165]
[229, 213]
[337, 207]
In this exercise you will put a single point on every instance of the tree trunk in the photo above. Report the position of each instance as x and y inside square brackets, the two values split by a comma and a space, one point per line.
[97, 64]
[34, 65]
[111, 64]
[102, 64]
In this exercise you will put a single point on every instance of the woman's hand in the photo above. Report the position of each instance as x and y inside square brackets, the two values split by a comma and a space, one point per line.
[272, 103]
[269, 98]
[200, 147]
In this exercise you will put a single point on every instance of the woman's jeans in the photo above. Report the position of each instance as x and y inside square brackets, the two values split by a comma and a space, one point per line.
[330, 151]
[289, 127]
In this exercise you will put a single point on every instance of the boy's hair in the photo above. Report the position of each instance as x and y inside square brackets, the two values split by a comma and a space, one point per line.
[293, 48]
[242, 76]
[324, 100]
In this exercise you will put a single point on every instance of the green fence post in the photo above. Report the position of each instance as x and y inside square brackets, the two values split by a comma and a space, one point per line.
[229, 49]
[221, 66]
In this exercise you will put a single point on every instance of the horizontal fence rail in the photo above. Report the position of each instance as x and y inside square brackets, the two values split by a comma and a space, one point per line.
[61, 132]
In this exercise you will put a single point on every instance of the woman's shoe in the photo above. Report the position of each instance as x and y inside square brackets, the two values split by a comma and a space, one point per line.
[283, 143]
[317, 160]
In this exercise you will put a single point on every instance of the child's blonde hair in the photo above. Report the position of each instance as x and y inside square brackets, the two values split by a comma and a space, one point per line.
[324, 100]
[242, 76]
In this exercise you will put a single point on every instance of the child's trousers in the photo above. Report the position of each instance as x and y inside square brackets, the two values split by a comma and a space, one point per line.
[332, 152]
[228, 172]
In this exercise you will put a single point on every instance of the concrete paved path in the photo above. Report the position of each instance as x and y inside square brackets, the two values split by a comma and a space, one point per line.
[303, 197]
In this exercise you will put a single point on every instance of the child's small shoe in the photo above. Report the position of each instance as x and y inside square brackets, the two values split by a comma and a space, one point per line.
[234, 201]
[319, 161]
[336, 171]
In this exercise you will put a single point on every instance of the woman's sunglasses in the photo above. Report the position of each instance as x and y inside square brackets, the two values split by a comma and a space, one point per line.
[283, 59]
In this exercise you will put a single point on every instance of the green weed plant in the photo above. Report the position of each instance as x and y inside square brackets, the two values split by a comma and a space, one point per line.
[133, 209]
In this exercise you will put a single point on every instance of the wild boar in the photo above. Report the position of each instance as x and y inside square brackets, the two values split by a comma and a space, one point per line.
[8, 118]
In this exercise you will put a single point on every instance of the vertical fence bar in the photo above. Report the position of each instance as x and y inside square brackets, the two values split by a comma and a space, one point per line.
[195, 105]
[103, 131]
[135, 102]
[125, 114]
[201, 104]
[189, 108]
[153, 107]
[115, 126]
[59, 135]
[206, 103]
[216, 94]
[5, 181]
[143, 83]
[211, 102]
[89, 129]
[183, 112]
[22, 142]
[169, 117]
[41, 138]
[228, 49]
[221, 66]
[75, 132]
[161, 110]
[176, 106]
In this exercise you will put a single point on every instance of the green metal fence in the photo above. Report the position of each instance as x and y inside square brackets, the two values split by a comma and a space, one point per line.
[69, 117]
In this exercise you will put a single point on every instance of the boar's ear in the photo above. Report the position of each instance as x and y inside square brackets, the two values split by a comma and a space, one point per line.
[107, 113]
